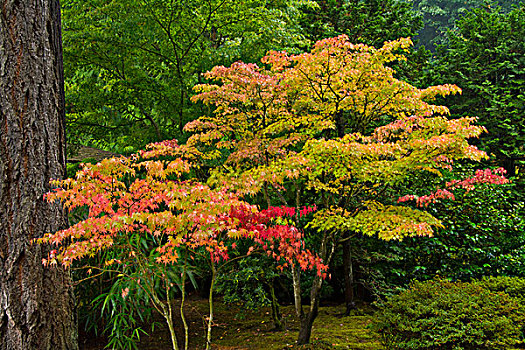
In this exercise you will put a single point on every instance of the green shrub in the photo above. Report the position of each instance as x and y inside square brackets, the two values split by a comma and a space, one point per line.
[513, 286]
[244, 284]
[439, 314]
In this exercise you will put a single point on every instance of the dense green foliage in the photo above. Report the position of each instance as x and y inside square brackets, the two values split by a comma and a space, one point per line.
[130, 65]
[364, 21]
[439, 314]
[514, 287]
[483, 234]
[485, 56]
[246, 283]
[441, 15]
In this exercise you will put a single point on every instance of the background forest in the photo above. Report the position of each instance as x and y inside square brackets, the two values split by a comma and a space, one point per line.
[393, 208]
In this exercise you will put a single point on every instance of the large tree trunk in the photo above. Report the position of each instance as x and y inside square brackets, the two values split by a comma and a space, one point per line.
[36, 303]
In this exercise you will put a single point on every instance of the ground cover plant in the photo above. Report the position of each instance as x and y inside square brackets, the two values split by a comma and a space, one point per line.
[453, 315]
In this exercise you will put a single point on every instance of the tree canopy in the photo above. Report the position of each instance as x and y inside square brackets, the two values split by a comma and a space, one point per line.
[130, 66]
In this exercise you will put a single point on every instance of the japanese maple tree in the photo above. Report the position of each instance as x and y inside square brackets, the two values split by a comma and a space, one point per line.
[303, 128]
[149, 210]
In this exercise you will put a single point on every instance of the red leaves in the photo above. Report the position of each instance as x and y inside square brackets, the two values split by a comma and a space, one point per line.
[273, 212]
[145, 196]
[487, 176]
[282, 242]
[431, 198]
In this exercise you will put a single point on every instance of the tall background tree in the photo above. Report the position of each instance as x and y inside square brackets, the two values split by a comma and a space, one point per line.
[485, 56]
[36, 303]
[441, 15]
[130, 65]
[364, 21]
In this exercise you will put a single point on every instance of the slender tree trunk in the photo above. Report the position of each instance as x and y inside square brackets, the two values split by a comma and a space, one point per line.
[308, 319]
[349, 277]
[36, 303]
[210, 304]
[169, 320]
[296, 277]
[183, 298]
[277, 317]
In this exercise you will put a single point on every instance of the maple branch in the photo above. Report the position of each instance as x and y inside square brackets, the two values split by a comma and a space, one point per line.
[266, 196]
[297, 201]
[279, 194]
[310, 82]
[88, 267]
[342, 239]
[387, 101]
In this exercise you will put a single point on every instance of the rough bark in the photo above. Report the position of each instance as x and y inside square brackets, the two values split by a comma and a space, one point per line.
[36, 303]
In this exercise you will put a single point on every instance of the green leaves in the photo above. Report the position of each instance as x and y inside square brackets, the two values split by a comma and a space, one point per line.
[375, 219]
[130, 65]
[485, 56]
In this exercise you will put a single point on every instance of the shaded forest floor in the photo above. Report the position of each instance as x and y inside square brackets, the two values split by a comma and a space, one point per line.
[238, 329]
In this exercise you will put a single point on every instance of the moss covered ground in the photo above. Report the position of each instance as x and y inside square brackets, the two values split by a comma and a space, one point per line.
[238, 329]
[331, 330]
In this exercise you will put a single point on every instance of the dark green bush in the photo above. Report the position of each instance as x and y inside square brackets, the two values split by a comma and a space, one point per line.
[439, 314]
[483, 234]
[244, 283]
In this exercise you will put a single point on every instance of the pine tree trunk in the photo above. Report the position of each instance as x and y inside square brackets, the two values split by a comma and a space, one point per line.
[36, 303]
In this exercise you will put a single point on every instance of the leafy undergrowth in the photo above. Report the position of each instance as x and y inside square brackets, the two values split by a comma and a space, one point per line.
[236, 329]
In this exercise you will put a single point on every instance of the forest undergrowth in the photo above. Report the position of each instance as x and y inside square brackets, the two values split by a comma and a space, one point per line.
[238, 329]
